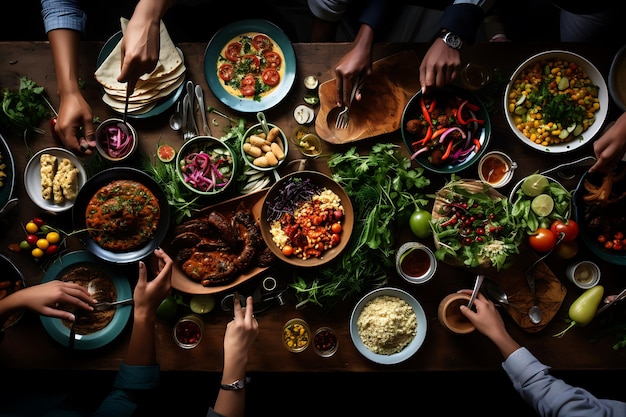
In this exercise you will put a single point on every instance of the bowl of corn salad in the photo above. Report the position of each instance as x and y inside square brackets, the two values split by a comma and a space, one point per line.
[556, 101]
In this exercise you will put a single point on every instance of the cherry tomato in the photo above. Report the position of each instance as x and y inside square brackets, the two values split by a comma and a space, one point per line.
[52, 249]
[38, 221]
[270, 76]
[247, 85]
[543, 240]
[226, 72]
[37, 253]
[43, 244]
[24, 245]
[53, 237]
[252, 62]
[287, 250]
[32, 239]
[232, 51]
[419, 222]
[570, 228]
[335, 228]
[31, 227]
[273, 59]
[262, 42]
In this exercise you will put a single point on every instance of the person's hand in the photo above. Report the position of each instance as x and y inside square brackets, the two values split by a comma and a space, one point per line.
[149, 294]
[610, 148]
[440, 66]
[74, 125]
[486, 318]
[240, 334]
[141, 44]
[354, 67]
[47, 298]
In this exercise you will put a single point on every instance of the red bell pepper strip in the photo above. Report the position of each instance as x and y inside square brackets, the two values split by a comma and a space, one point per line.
[477, 143]
[429, 135]
[447, 152]
[438, 132]
[459, 114]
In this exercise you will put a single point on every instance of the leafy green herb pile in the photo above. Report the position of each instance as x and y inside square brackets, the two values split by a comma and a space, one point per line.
[384, 191]
[474, 226]
[25, 109]
[562, 207]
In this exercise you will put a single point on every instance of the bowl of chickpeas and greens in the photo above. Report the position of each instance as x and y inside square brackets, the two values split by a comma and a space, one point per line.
[556, 101]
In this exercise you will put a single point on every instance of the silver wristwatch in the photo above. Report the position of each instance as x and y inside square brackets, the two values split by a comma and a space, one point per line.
[451, 39]
[237, 385]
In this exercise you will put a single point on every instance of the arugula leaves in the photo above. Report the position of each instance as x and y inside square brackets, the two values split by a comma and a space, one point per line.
[384, 190]
[25, 109]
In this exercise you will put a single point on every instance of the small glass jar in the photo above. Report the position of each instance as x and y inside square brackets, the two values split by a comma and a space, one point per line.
[188, 331]
[475, 76]
[325, 342]
[296, 335]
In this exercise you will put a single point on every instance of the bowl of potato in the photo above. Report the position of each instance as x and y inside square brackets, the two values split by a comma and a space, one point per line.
[264, 146]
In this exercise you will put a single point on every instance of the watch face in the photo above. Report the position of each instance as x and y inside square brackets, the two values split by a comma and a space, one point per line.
[452, 40]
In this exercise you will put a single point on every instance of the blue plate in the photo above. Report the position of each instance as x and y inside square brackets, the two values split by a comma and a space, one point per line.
[409, 350]
[222, 38]
[59, 331]
[6, 191]
[413, 110]
[92, 186]
[163, 104]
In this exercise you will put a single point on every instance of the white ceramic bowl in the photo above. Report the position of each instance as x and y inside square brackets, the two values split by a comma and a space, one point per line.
[596, 78]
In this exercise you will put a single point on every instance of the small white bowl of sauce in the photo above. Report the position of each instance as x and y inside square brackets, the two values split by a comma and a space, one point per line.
[496, 168]
[416, 263]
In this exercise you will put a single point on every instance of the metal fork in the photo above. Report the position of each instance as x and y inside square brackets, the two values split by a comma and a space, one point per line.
[343, 118]
[106, 305]
[188, 132]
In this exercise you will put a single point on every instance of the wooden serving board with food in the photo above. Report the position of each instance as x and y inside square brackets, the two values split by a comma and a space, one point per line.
[199, 238]
[385, 93]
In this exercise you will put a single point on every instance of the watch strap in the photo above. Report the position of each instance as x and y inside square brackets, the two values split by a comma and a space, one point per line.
[237, 385]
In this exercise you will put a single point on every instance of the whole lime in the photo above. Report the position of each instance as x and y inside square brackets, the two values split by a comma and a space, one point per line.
[168, 307]
[202, 303]
[419, 222]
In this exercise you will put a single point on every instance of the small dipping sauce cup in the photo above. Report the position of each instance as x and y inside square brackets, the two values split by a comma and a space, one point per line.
[584, 274]
[116, 140]
[325, 342]
[450, 316]
[496, 169]
[188, 331]
[415, 262]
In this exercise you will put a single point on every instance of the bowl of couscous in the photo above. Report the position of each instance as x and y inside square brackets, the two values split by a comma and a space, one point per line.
[388, 325]
[556, 101]
[306, 219]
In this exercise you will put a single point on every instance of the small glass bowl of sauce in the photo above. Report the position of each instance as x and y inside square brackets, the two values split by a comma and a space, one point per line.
[325, 342]
[415, 262]
[496, 169]
[188, 331]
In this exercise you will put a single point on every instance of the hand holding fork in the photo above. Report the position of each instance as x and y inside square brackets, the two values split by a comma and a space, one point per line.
[343, 118]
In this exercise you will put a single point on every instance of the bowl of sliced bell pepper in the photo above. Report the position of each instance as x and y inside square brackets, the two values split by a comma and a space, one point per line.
[446, 131]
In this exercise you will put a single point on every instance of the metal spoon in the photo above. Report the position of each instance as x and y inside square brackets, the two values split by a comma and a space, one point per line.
[200, 97]
[176, 119]
[496, 294]
[260, 116]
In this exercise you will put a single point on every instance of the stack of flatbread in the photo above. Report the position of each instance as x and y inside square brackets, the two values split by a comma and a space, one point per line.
[166, 77]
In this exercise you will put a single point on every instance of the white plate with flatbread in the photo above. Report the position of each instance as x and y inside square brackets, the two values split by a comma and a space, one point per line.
[33, 181]
[155, 92]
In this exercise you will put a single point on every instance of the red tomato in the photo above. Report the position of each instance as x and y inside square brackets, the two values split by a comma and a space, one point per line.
[232, 51]
[38, 221]
[262, 42]
[250, 63]
[335, 228]
[226, 72]
[52, 249]
[287, 250]
[273, 59]
[570, 228]
[32, 239]
[543, 240]
[247, 85]
[270, 76]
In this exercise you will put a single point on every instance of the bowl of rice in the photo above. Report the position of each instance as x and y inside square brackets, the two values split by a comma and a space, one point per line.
[388, 326]
[306, 219]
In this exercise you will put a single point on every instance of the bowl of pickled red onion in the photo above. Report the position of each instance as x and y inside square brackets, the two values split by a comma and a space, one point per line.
[206, 165]
[116, 140]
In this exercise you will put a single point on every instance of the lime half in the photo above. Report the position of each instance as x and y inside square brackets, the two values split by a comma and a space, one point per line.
[542, 205]
[534, 185]
[202, 303]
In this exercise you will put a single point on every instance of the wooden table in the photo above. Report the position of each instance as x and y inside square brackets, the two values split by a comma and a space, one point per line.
[28, 346]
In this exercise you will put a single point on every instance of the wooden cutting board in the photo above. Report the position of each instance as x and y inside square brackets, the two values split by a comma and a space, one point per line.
[385, 93]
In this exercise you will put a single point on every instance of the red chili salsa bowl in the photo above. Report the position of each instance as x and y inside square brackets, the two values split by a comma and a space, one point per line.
[446, 131]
